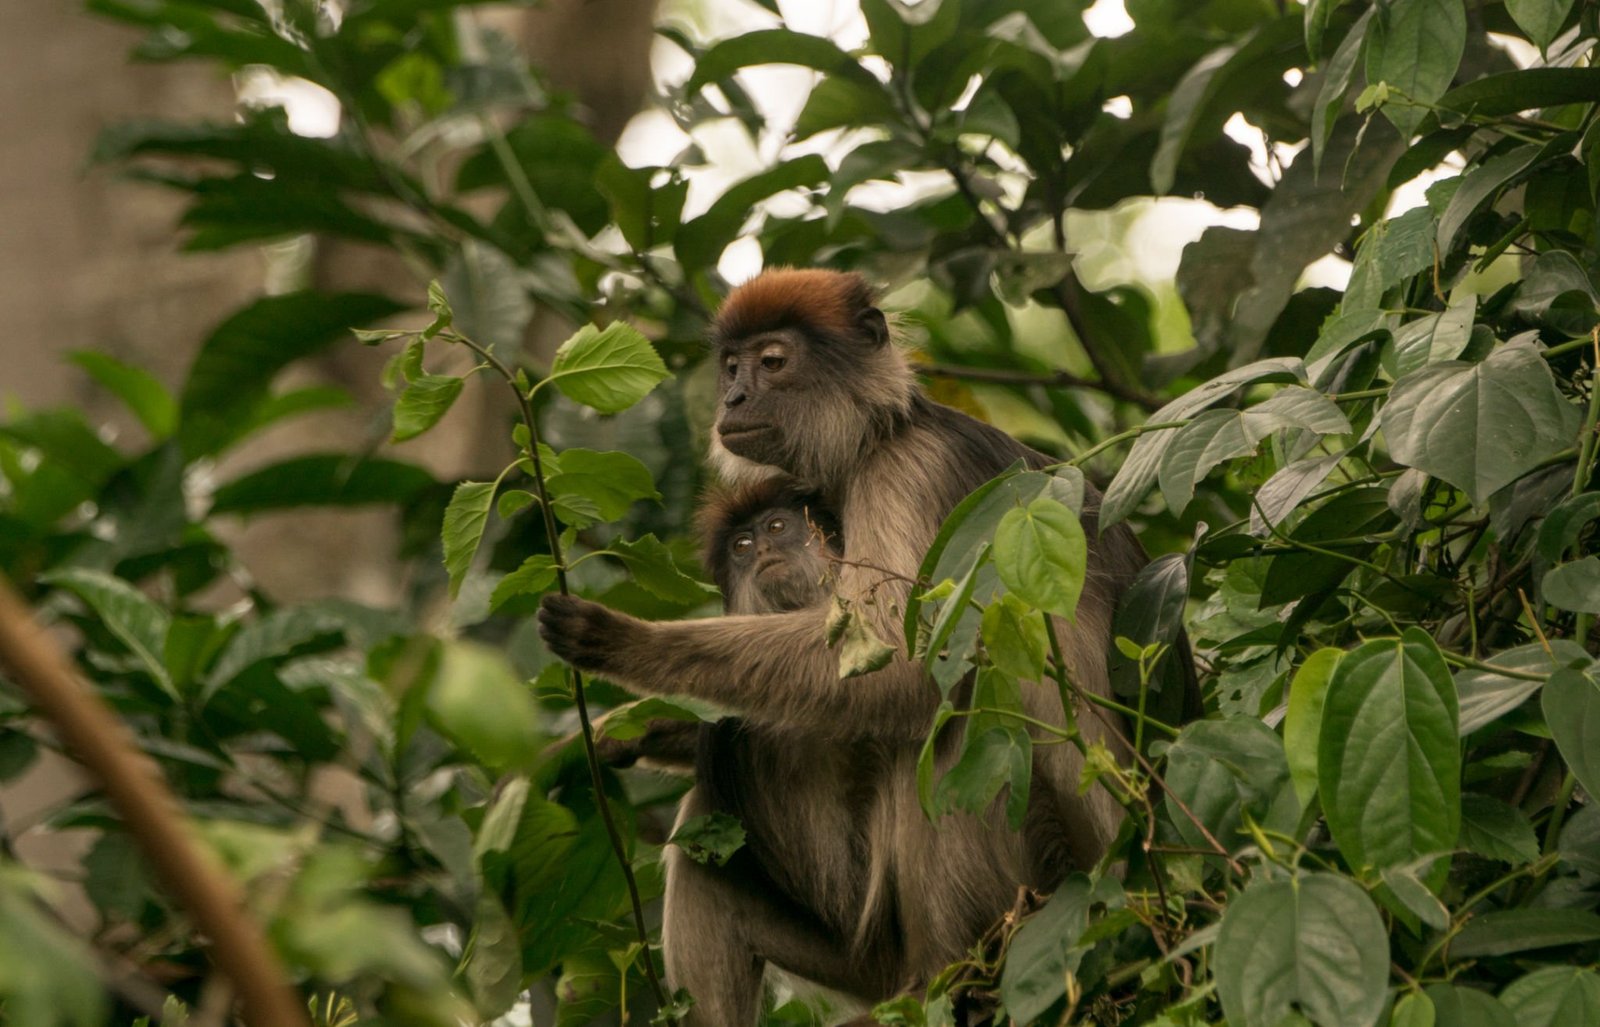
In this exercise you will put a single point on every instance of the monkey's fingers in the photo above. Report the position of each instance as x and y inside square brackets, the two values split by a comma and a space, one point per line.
[577, 630]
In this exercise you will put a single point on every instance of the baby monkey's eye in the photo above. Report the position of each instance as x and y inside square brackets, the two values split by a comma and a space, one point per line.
[742, 544]
[733, 367]
[777, 525]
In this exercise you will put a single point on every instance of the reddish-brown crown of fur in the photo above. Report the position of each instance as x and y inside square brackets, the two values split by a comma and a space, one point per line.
[828, 302]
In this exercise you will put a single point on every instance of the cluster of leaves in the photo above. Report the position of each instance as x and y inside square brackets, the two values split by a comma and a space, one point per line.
[1375, 506]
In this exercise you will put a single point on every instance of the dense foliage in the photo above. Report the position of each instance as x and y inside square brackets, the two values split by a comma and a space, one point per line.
[1373, 508]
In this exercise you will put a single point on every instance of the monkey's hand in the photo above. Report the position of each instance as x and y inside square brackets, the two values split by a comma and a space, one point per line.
[586, 634]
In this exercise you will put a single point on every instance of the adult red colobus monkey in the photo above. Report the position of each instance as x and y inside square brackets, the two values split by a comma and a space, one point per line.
[810, 385]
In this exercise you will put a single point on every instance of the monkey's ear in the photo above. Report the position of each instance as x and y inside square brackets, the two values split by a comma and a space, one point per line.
[873, 325]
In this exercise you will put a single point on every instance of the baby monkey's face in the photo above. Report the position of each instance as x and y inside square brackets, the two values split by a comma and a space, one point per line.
[777, 561]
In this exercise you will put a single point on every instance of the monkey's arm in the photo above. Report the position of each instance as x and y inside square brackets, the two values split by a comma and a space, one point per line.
[666, 745]
[773, 668]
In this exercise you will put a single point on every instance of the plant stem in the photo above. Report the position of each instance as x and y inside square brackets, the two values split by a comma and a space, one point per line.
[596, 778]
[1123, 436]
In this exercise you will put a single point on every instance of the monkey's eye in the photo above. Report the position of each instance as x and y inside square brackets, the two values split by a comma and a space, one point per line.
[742, 544]
[776, 526]
[773, 358]
[733, 366]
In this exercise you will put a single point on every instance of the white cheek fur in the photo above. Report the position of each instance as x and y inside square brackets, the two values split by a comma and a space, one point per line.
[734, 469]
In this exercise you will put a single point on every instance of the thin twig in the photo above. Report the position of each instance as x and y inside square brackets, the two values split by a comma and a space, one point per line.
[597, 780]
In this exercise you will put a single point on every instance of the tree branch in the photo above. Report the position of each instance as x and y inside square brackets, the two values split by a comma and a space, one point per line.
[152, 816]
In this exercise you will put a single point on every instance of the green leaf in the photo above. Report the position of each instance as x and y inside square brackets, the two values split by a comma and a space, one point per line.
[1480, 426]
[1497, 830]
[654, 568]
[17, 753]
[1189, 99]
[700, 241]
[1312, 943]
[1511, 92]
[1477, 186]
[996, 754]
[1414, 1009]
[1223, 770]
[842, 103]
[1540, 19]
[537, 573]
[1554, 996]
[612, 481]
[1045, 950]
[632, 720]
[136, 622]
[608, 370]
[426, 399]
[273, 635]
[1486, 696]
[1302, 725]
[47, 976]
[1504, 931]
[464, 521]
[1014, 637]
[1318, 12]
[861, 651]
[1415, 47]
[1140, 469]
[476, 700]
[236, 365]
[1149, 613]
[491, 962]
[1357, 513]
[144, 395]
[1041, 554]
[1467, 1007]
[1337, 76]
[647, 215]
[772, 46]
[1574, 586]
[711, 839]
[1218, 435]
[1432, 339]
[1561, 527]
[331, 479]
[1405, 886]
[1388, 759]
[491, 306]
[1572, 709]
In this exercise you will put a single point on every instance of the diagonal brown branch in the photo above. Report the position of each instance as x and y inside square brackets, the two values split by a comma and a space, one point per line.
[103, 745]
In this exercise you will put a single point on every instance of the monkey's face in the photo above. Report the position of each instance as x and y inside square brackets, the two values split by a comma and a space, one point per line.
[776, 562]
[758, 386]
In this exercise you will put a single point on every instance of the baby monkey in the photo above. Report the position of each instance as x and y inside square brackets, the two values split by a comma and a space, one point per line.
[768, 547]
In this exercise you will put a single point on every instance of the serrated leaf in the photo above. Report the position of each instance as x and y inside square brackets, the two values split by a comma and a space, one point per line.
[537, 573]
[426, 398]
[1480, 426]
[608, 370]
[1388, 759]
[464, 521]
[653, 567]
[1041, 554]
[611, 481]
[1313, 943]
[513, 502]
[136, 621]
[711, 839]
